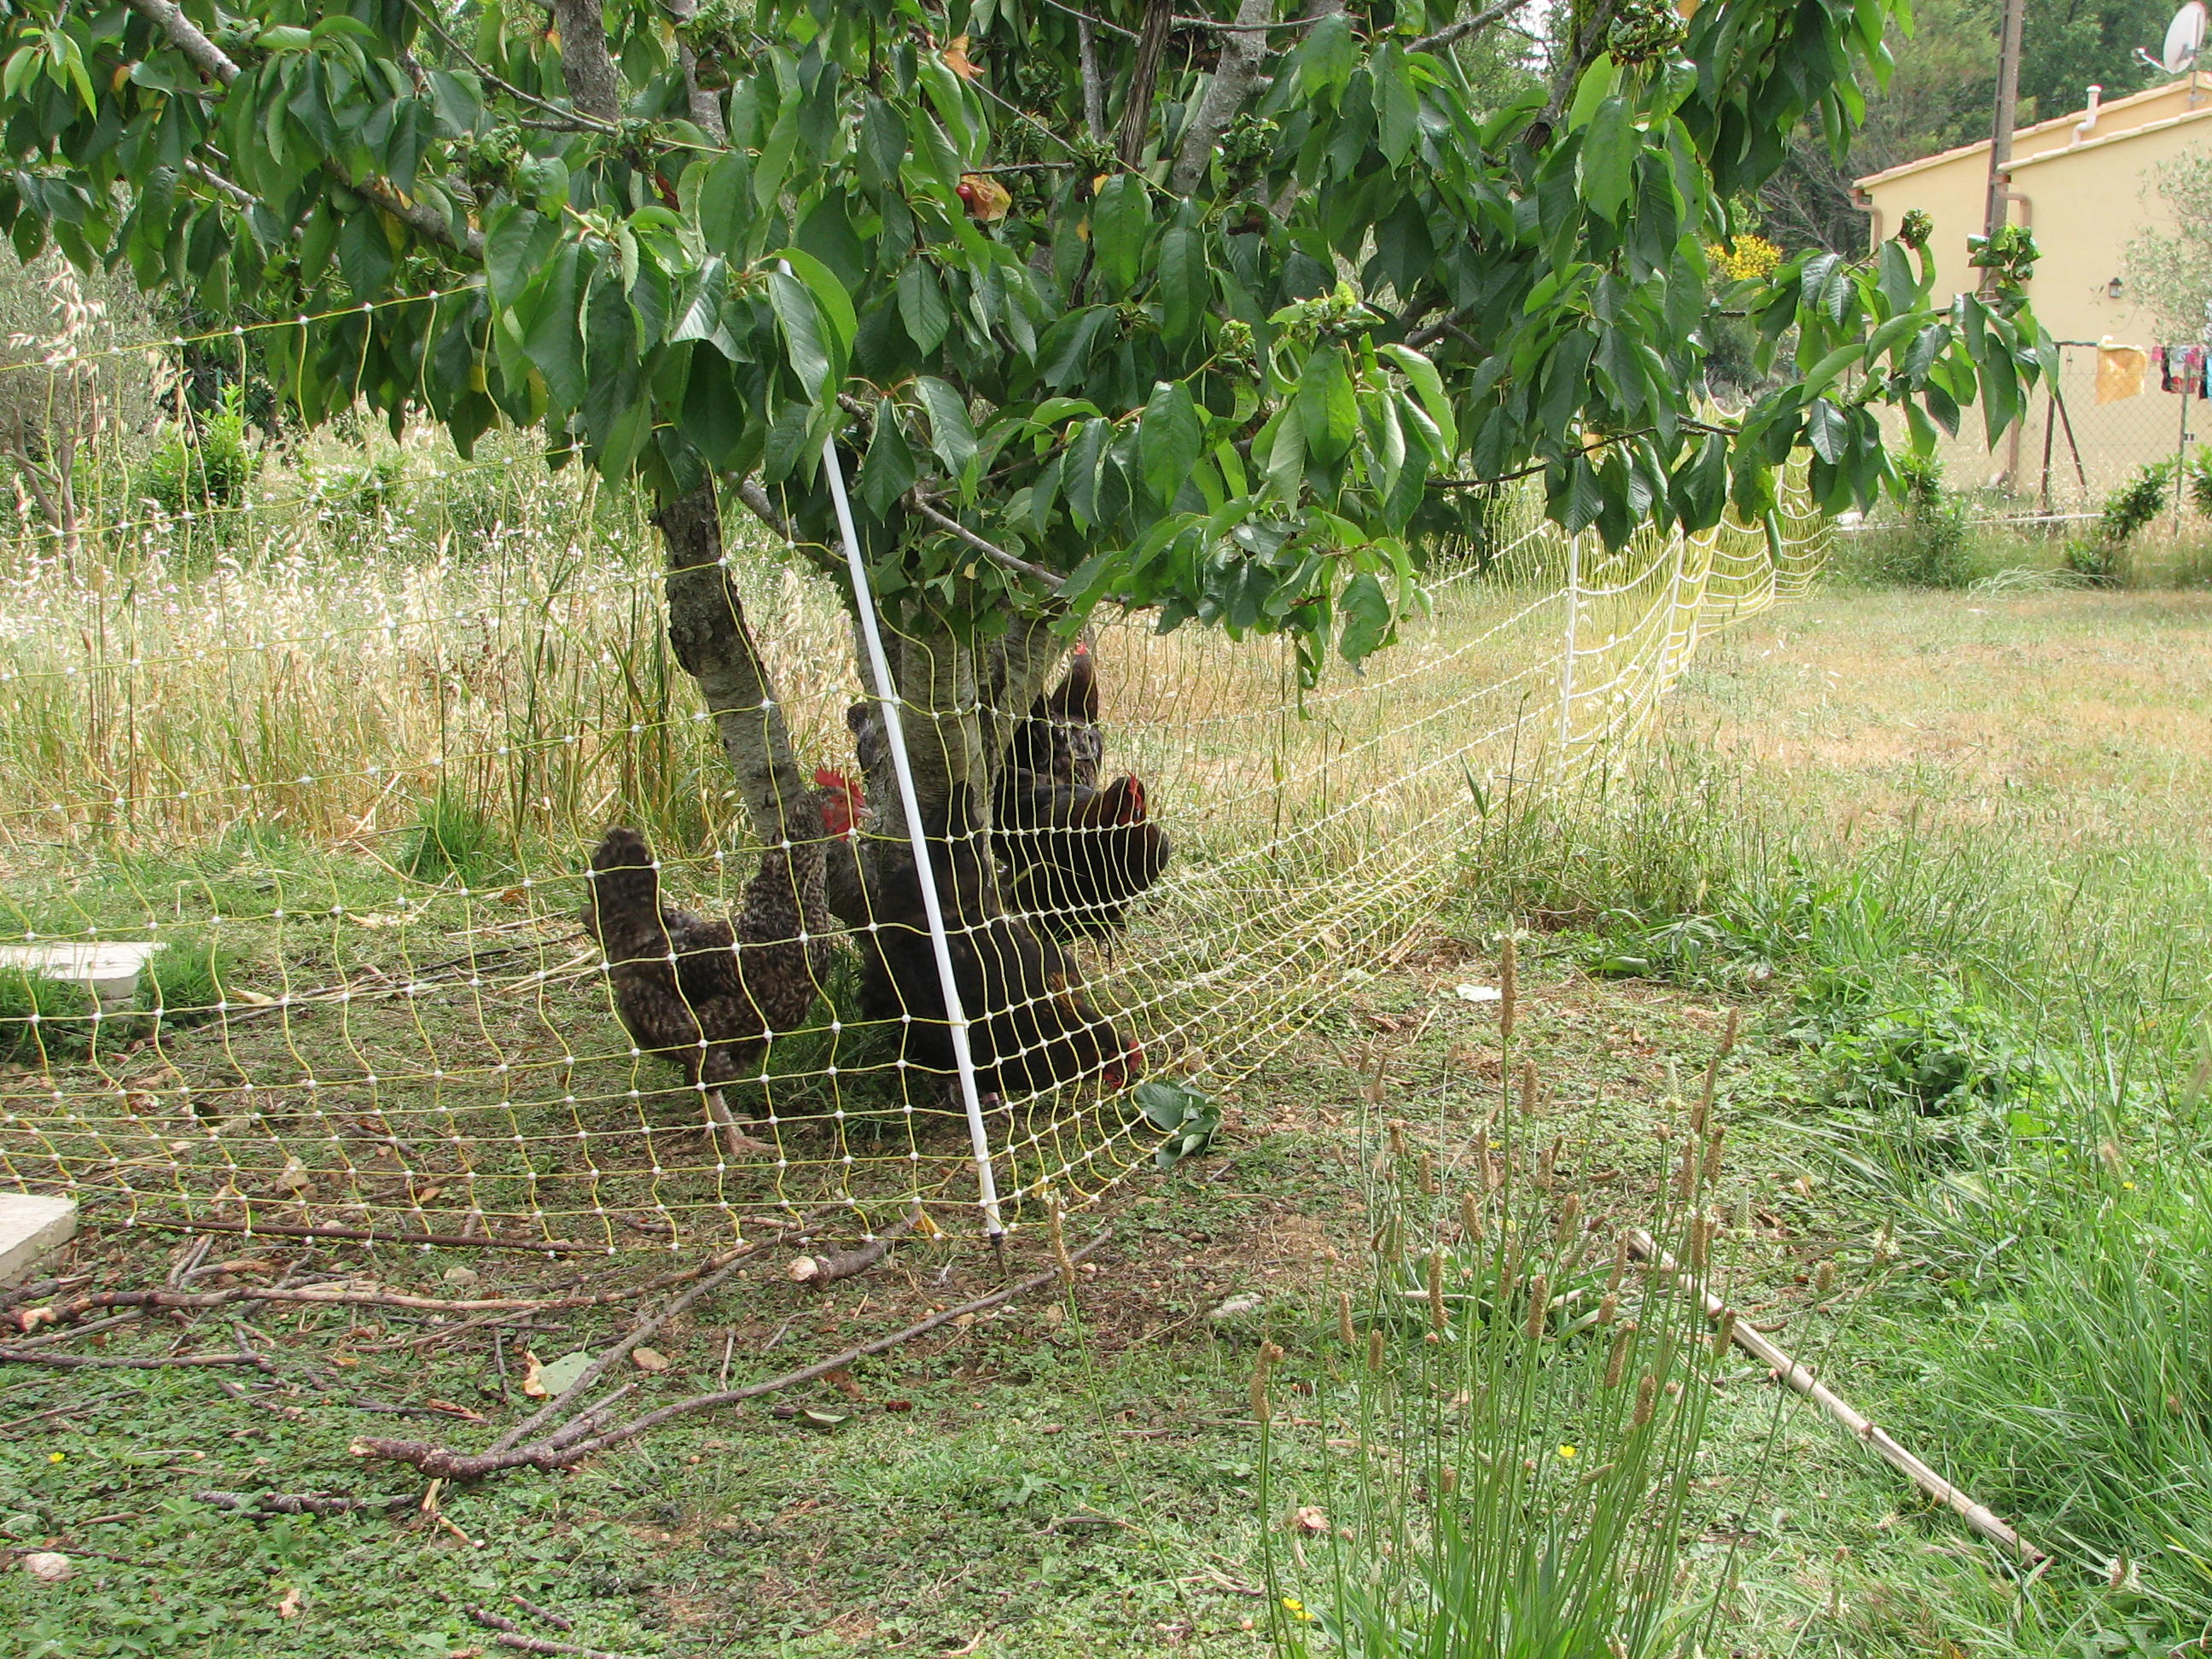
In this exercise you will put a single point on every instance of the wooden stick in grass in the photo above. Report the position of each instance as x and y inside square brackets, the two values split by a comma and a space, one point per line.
[1801, 1378]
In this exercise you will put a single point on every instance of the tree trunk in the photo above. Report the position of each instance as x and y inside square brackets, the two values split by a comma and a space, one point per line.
[594, 85]
[707, 629]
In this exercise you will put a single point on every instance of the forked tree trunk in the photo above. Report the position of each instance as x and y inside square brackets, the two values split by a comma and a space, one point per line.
[958, 704]
[708, 630]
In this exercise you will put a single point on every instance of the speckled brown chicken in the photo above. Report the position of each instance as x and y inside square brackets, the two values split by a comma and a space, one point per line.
[703, 992]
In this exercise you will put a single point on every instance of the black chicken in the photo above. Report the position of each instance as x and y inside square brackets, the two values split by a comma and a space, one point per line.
[1031, 1025]
[704, 994]
[1076, 856]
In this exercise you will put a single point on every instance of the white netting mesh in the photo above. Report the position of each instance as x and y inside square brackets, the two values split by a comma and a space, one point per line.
[340, 744]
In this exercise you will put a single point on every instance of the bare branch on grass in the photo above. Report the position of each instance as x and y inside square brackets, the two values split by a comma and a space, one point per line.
[561, 1449]
[1800, 1378]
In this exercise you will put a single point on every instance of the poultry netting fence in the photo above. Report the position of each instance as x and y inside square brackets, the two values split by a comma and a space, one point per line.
[301, 772]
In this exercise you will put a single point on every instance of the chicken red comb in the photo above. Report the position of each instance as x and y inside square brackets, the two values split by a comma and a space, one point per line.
[842, 810]
[1129, 803]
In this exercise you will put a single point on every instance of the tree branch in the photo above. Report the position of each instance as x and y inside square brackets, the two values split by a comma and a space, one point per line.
[706, 628]
[757, 502]
[1094, 89]
[1452, 33]
[215, 63]
[705, 108]
[1137, 114]
[1234, 78]
[952, 526]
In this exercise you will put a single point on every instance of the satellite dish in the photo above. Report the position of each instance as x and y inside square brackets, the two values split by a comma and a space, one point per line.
[2185, 38]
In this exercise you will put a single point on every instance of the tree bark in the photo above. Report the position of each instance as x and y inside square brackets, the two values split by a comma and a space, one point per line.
[706, 106]
[707, 628]
[1137, 112]
[594, 85]
[1234, 78]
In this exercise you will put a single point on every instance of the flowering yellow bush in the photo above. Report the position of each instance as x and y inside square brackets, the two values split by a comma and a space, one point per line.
[1744, 258]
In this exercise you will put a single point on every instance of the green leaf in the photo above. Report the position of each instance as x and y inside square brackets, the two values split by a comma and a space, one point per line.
[1170, 440]
[1286, 453]
[952, 436]
[1365, 609]
[800, 320]
[887, 471]
[1826, 429]
[1184, 290]
[1327, 407]
[922, 306]
[834, 302]
[1330, 53]
[1120, 226]
[1606, 166]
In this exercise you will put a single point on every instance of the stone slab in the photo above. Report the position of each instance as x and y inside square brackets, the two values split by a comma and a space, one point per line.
[32, 1229]
[109, 969]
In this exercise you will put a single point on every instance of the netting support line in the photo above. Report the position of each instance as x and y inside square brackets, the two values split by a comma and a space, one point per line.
[1567, 656]
[956, 1016]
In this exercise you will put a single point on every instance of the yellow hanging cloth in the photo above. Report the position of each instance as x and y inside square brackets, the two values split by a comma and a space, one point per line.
[2120, 370]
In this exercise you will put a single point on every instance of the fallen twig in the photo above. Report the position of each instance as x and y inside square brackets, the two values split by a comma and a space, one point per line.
[297, 1503]
[559, 1450]
[543, 1615]
[588, 1379]
[38, 1357]
[834, 1264]
[1801, 1378]
[354, 1294]
[511, 1635]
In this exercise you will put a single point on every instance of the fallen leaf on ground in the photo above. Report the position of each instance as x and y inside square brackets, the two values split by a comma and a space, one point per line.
[648, 1360]
[842, 1380]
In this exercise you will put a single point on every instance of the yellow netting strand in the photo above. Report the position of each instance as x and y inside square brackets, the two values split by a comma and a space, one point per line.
[347, 769]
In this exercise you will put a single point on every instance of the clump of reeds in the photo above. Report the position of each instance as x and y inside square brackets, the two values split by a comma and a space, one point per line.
[1519, 1414]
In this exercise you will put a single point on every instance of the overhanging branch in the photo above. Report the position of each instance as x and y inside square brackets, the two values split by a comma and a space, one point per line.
[998, 555]
[1451, 34]
[218, 65]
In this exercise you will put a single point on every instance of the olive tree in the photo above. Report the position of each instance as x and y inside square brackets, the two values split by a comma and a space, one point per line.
[1202, 309]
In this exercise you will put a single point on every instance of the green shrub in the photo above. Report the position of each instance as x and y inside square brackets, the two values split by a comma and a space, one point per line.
[369, 490]
[202, 469]
[2102, 558]
[452, 838]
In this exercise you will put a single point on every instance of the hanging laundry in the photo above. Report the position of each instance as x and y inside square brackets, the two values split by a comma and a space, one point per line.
[2119, 371]
[2183, 368]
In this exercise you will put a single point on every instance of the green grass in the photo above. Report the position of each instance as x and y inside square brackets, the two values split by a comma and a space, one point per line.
[1944, 852]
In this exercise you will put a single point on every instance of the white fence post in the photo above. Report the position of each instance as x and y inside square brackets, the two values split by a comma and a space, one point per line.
[956, 1016]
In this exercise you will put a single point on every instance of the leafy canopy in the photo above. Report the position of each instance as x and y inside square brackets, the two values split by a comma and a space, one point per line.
[1224, 328]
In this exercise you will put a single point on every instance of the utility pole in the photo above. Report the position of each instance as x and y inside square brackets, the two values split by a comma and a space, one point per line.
[2000, 131]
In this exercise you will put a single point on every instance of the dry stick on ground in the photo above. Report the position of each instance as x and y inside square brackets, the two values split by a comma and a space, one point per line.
[834, 1264]
[568, 1397]
[1801, 1378]
[294, 1502]
[339, 1296]
[40, 1357]
[561, 1449]
[511, 1635]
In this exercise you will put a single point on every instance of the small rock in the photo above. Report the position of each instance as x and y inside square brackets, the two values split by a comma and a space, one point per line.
[461, 1276]
[648, 1360]
[1480, 993]
[1236, 1308]
[47, 1567]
